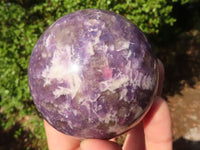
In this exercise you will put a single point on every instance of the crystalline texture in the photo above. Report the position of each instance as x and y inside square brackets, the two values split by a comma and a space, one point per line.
[92, 74]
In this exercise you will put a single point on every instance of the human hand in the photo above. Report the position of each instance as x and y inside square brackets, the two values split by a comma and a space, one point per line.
[153, 133]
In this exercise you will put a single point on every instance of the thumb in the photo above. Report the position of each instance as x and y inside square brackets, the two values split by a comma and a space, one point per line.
[96, 144]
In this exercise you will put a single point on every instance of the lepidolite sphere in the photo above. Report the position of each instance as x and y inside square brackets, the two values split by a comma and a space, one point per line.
[92, 74]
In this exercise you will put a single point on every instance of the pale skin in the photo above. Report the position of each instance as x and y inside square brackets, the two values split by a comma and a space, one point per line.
[153, 133]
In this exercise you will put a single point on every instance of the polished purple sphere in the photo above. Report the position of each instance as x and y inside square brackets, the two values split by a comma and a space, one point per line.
[92, 74]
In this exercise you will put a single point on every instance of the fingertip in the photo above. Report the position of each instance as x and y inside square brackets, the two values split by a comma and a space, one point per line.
[96, 144]
[59, 141]
[157, 126]
[158, 102]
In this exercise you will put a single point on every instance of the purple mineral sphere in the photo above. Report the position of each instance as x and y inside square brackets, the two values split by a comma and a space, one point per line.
[92, 74]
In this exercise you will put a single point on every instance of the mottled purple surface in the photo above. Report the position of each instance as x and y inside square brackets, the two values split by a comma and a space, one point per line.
[92, 74]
